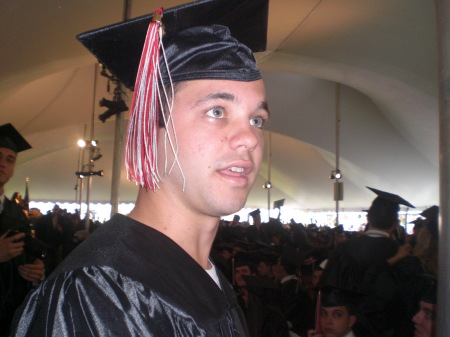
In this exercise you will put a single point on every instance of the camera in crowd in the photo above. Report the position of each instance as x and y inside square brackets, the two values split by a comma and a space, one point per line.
[33, 248]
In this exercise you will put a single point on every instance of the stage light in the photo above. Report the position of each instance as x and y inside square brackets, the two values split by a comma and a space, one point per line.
[114, 107]
[81, 143]
[82, 174]
[267, 185]
[336, 174]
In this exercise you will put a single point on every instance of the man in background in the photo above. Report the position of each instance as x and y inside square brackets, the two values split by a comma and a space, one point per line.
[17, 269]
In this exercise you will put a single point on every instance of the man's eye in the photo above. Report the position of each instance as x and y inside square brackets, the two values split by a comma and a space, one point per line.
[216, 112]
[258, 122]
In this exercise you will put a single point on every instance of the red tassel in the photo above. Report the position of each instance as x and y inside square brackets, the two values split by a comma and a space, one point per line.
[141, 147]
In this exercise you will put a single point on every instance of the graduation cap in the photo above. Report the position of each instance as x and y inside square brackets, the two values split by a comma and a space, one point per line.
[431, 215]
[278, 203]
[390, 197]
[11, 139]
[119, 46]
[255, 212]
[339, 297]
[207, 39]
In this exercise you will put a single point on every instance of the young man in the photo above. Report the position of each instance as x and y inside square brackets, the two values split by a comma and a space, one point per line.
[17, 269]
[364, 264]
[425, 319]
[149, 273]
[337, 315]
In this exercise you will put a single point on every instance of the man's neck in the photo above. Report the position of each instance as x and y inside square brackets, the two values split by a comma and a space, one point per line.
[192, 232]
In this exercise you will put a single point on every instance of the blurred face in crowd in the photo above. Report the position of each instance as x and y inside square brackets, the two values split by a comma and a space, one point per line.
[424, 321]
[340, 238]
[336, 321]
[7, 163]
[239, 272]
[264, 269]
[316, 278]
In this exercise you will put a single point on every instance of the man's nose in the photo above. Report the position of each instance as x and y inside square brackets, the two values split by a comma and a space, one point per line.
[245, 136]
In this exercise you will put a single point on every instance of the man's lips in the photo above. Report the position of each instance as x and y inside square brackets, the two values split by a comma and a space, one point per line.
[237, 172]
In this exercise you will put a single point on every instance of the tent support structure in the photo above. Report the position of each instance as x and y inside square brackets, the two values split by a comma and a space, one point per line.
[443, 34]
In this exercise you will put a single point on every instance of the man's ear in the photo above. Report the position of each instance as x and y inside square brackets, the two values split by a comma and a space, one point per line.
[352, 321]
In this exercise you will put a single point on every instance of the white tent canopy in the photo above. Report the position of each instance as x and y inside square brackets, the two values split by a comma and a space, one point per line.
[382, 53]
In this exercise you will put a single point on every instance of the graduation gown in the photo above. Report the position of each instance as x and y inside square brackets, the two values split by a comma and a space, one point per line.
[13, 288]
[128, 279]
[360, 264]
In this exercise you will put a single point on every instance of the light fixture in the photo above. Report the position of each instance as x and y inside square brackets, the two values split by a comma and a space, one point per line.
[267, 185]
[81, 143]
[83, 174]
[336, 174]
[114, 107]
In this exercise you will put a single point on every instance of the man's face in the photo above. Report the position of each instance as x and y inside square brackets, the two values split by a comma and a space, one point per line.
[7, 162]
[424, 321]
[336, 321]
[219, 129]
[317, 275]
[239, 272]
[264, 269]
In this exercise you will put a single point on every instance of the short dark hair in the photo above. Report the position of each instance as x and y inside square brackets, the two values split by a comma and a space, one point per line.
[382, 213]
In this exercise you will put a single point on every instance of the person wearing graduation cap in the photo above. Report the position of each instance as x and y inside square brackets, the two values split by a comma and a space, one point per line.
[336, 313]
[16, 273]
[194, 146]
[425, 319]
[365, 264]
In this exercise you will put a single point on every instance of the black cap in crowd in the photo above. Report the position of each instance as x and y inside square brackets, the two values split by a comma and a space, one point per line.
[11, 139]
[390, 197]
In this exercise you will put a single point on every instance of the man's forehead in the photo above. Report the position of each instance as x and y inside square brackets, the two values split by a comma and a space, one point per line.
[7, 152]
[337, 308]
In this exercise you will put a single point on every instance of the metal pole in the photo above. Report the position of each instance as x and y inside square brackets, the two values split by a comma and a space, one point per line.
[117, 162]
[118, 140]
[269, 157]
[88, 202]
[91, 153]
[443, 34]
[338, 122]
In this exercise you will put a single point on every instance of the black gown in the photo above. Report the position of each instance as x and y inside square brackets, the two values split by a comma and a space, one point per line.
[128, 279]
[360, 264]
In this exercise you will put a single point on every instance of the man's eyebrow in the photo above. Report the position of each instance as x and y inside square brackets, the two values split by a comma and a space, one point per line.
[227, 96]
[217, 95]
[264, 106]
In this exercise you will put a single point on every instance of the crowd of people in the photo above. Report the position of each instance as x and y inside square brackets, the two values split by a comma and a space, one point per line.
[378, 278]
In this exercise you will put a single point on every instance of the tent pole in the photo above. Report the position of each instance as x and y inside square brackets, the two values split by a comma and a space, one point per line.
[442, 8]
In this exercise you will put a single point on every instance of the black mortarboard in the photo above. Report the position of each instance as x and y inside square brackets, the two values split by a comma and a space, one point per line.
[393, 198]
[255, 212]
[431, 215]
[337, 297]
[11, 139]
[119, 46]
[278, 203]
